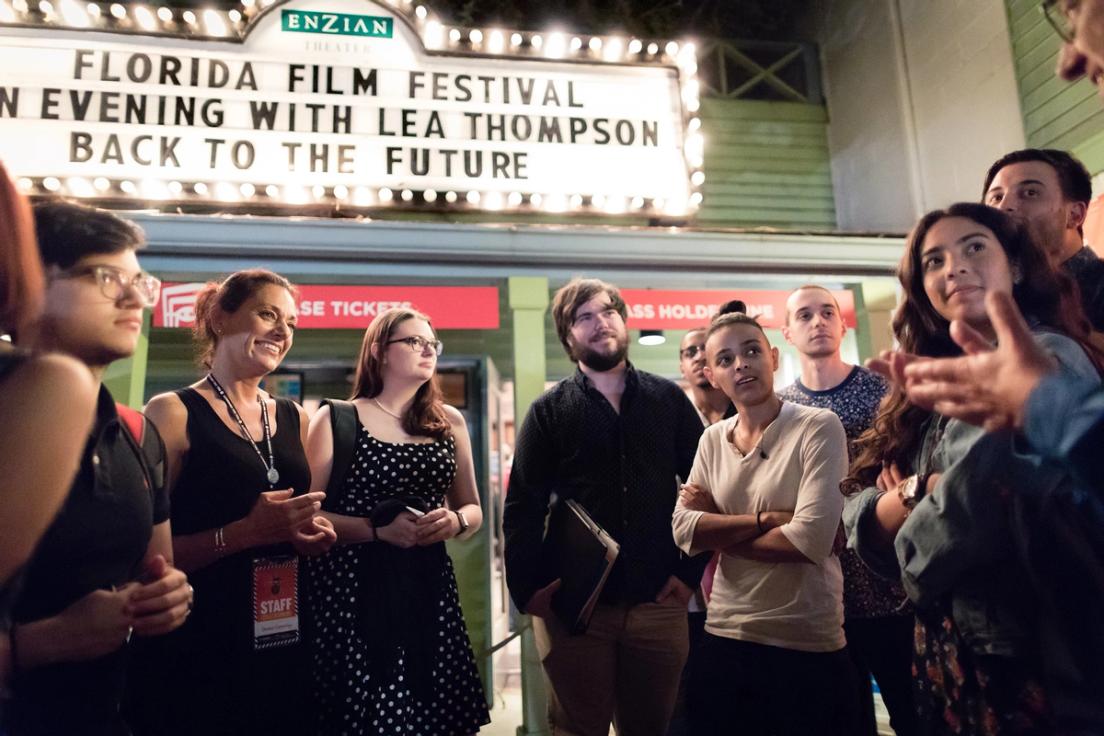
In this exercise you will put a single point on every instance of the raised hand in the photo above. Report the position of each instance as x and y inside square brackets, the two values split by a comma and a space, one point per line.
[987, 387]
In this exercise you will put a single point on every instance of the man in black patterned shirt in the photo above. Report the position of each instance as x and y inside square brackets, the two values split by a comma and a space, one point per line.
[877, 625]
[615, 440]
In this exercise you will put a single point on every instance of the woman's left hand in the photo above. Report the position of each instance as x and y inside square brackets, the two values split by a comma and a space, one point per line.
[890, 478]
[162, 604]
[437, 526]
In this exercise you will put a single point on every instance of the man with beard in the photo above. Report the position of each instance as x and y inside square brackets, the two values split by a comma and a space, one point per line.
[616, 440]
[1049, 191]
[877, 622]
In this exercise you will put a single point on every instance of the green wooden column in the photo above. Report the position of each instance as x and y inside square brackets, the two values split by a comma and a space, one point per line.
[126, 379]
[528, 302]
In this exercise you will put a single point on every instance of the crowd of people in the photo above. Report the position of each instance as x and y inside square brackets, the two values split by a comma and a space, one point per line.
[223, 563]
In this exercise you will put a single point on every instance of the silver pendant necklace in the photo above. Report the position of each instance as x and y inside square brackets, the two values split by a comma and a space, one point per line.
[271, 474]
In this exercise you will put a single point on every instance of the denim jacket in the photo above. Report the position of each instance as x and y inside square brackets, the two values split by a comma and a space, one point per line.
[965, 539]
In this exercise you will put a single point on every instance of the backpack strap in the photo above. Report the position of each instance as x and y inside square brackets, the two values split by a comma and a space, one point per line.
[343, 422]
[147, 445]
[133, 420]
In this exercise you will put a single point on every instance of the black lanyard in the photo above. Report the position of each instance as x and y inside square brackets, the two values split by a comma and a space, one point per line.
[272, 475]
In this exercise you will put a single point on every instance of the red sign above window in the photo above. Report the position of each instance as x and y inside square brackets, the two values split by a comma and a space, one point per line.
[354, 307]
[659, 309]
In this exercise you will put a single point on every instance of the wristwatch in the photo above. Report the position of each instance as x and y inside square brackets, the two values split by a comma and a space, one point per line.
[912, 490]
[463, 522]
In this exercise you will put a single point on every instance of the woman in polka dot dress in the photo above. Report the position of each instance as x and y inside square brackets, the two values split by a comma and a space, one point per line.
[390, 651]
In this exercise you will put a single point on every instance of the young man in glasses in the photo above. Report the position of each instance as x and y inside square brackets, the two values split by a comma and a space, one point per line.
[103, 571]
[615, 440]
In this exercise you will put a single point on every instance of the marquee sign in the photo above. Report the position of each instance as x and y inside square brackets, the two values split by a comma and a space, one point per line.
[663, 309]
[354, 307]
[343, 103]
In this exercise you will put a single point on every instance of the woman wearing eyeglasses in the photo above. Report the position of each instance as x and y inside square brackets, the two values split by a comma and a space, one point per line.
[391, 654]
[241, 515]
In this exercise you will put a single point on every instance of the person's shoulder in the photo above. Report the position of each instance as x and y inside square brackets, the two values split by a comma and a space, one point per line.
[813, 417]
[453, 415]
[658, 385]
[165, 408]
[792, 393]
[866, 378]
[1069, 353]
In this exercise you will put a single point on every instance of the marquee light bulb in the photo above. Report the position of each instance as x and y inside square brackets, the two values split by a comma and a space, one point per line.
[556, 46]
[454, 35]
[189, 17]
[234, 15]
[154, 189]
[295, 195]
[25, 184]
[429, 196]
[318, 191]
[434, 34]
[671, 48]
[536, 200]
[176, 188]
[101, 183]
[386, 195]
[165, 15]
[117, 10]
[51, 184]
[214, 23]
[496, 43]
[247, 190]
[614, 49]
[476, 36]
[128, 186]
[697, 178]
[7, 14]
[635, 46]
[515, 39]
[653, 49]
[341, 192]
[145, 18]
[200, 188]
[515, 199]
[450, 197]
[536, 41]
[696, 199]
[407, 195]
[74, 14]
[272, 191]
[78, 186]
[421, 12]
[363, 197]
[46, 7]
[472, 197]
[493, 201]
[576, 43]
[226, 191]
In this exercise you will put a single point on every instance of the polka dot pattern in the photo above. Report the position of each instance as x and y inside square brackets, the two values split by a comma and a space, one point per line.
[349, 699]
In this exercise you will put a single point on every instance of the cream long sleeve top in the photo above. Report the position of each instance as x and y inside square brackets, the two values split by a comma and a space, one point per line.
[797, 466]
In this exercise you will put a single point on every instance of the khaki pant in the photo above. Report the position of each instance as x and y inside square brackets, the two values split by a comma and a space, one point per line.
[625, 668]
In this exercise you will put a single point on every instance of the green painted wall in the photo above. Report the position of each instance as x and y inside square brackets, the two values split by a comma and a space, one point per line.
[766, 164]
[1056, 114]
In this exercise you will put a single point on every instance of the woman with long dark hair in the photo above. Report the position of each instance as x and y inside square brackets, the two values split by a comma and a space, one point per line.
[391, 653]
[945, 507]
[242, 516]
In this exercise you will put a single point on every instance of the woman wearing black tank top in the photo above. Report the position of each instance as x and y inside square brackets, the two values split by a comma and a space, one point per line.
[241, 516]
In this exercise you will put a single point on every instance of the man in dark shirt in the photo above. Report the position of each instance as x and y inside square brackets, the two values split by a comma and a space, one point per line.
[1049, 190]
[615, 440]
[103, 570]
